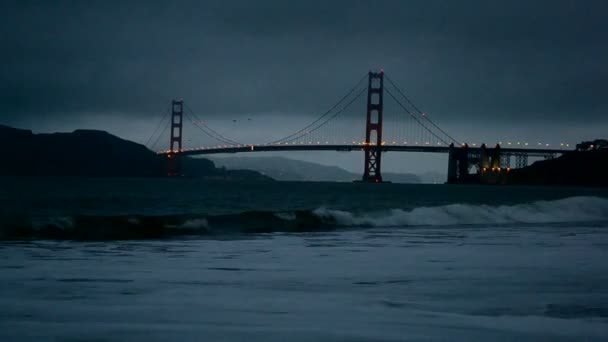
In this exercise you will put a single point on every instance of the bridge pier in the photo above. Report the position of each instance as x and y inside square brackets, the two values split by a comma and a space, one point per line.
[452, 173]
[372, 149]
[458, 164]
[484, 158]
[495, 163]
[175, 144]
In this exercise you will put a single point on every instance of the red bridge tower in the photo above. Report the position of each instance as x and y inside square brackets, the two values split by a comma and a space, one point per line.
[373, 128]
[175, 145]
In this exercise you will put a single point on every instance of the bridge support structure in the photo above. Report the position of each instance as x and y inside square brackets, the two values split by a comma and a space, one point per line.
[484, 158]
[373, 128]
[521, 160]
[175, 144]
[458, 164]
[495, 158]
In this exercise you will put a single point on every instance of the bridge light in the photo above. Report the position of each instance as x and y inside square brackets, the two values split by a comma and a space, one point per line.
[498, 169]
[405, 143]
[508, 169]
[526, 144]
[508, 143]
[547, 144]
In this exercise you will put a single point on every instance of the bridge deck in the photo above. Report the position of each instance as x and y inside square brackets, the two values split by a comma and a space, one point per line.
[349, 148]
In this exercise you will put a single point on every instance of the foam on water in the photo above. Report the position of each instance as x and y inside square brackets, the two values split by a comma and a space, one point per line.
[573, 209]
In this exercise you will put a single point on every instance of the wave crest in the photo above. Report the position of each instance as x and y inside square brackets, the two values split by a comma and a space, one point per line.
[573, 209]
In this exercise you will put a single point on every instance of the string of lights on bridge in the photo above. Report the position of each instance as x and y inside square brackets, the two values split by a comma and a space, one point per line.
[354, 144]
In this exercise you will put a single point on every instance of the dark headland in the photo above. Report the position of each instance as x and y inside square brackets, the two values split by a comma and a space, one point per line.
[576, 168]
[92, 153]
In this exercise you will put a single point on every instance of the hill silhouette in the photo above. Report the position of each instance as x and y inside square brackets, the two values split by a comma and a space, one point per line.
[579, 168]
[93, 153]
[285, 169]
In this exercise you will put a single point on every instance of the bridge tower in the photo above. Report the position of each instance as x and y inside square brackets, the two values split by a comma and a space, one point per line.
[175, 144]
[373, 128]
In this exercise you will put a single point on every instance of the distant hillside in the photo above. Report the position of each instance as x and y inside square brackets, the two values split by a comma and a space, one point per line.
[432, 177]
[581, 168]
[286, 169]
[94, 154]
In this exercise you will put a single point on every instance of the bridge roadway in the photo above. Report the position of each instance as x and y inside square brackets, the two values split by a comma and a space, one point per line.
[350, 147]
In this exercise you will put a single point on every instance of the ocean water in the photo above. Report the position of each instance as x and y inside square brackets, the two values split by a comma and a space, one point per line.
[188, 260]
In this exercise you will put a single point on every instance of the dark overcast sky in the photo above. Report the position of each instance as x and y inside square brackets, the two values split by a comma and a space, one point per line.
[469, 63]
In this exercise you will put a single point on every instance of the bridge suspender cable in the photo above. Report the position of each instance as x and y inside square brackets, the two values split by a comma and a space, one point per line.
[208, 130]
[156, 131]
[153, 146]
[358, 95]
[419, 111]
[304, 130]
[414, 117]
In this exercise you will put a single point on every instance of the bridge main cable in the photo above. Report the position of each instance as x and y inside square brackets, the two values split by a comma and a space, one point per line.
[297, 133]
[357, 96]
[208, 130]
[419, 111]
[415, 118]
[160, 123]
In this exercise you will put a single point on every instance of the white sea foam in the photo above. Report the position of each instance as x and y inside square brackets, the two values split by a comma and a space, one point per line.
[286, 216]
[573, 209]
[198, 223]
[60, 222]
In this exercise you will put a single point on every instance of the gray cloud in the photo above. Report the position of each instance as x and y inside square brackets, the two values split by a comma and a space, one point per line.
[474, 60]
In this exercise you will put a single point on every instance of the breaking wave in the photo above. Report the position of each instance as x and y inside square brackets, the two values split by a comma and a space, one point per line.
[573, 209]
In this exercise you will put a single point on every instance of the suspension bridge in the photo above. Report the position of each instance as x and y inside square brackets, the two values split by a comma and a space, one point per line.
[392, 123]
